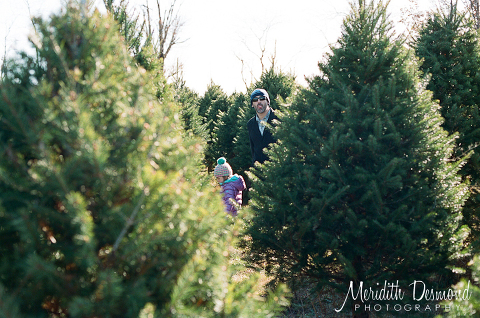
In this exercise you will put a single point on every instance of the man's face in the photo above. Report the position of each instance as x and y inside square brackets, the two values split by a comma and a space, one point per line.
[260, 103]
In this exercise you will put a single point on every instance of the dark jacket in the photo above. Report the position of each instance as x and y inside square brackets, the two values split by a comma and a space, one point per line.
[257, 141]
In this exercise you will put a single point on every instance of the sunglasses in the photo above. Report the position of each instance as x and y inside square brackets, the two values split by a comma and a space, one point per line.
[256, 99]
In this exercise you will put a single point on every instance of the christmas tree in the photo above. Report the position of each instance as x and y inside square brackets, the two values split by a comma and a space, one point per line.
[103, 210]
[360, 186]
[211, 106]
[448, 47]
[226, 128]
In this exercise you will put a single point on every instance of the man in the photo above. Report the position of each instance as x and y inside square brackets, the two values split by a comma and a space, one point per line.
[260, 136]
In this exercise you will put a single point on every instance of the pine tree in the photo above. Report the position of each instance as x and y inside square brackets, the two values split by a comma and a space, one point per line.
[211, 106]
[359, 187]
[279, 85]
[130, 27]
[188, 100]
[213, 101]
[448, 46]
[140, 44]
[226, 128]
[103, 211]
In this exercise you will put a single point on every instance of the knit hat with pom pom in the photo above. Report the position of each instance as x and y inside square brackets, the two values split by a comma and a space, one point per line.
[222, 169]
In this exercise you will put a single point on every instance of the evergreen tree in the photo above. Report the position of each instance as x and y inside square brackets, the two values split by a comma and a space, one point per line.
[225, 129]
[211, 106]
[212, 102]
[241, 143]
[359, 187]
[131, 29]
[139, 42]
[279, 85]
[103, 212]
[188, 100]
[448, 46]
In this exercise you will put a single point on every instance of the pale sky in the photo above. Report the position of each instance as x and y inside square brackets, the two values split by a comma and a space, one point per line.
[219, 34]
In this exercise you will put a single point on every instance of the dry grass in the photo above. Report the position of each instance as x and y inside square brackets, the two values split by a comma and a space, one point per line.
[308, 303]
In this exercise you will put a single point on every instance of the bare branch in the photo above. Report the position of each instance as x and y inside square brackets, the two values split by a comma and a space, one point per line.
[161, 27]
[242, 72]
[259, 53]
[169, 25]
[4, 58]
[175, 72]
[130, 221]
[149, 25]
[274, 55]
[473, 7]
[412, 18]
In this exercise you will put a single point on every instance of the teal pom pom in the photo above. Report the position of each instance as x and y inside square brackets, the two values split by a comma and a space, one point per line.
[221, 161]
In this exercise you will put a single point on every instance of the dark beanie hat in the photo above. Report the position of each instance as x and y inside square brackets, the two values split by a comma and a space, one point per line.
[259, 92]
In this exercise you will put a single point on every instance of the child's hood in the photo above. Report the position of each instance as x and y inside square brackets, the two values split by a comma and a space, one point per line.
[236, 181]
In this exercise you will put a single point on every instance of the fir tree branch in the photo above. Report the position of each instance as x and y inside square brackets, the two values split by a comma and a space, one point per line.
[130, 221]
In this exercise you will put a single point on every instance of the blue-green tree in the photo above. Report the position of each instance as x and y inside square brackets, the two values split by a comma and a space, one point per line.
[448, 46]
[360, 186]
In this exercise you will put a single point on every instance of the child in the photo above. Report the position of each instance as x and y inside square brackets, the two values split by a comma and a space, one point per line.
[232, 186]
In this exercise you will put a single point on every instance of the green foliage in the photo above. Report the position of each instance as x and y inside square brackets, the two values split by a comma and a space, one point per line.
[242, 158]
[226, 128]
[449, 49]
[279, 85]
[359, 186]
[140, 45]
[448, 45]
[8, 306]
[131, 29]
[103, 209]
[219, 297]
[467, 304]
[214, 100]
[188, 100]
[211, 108]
